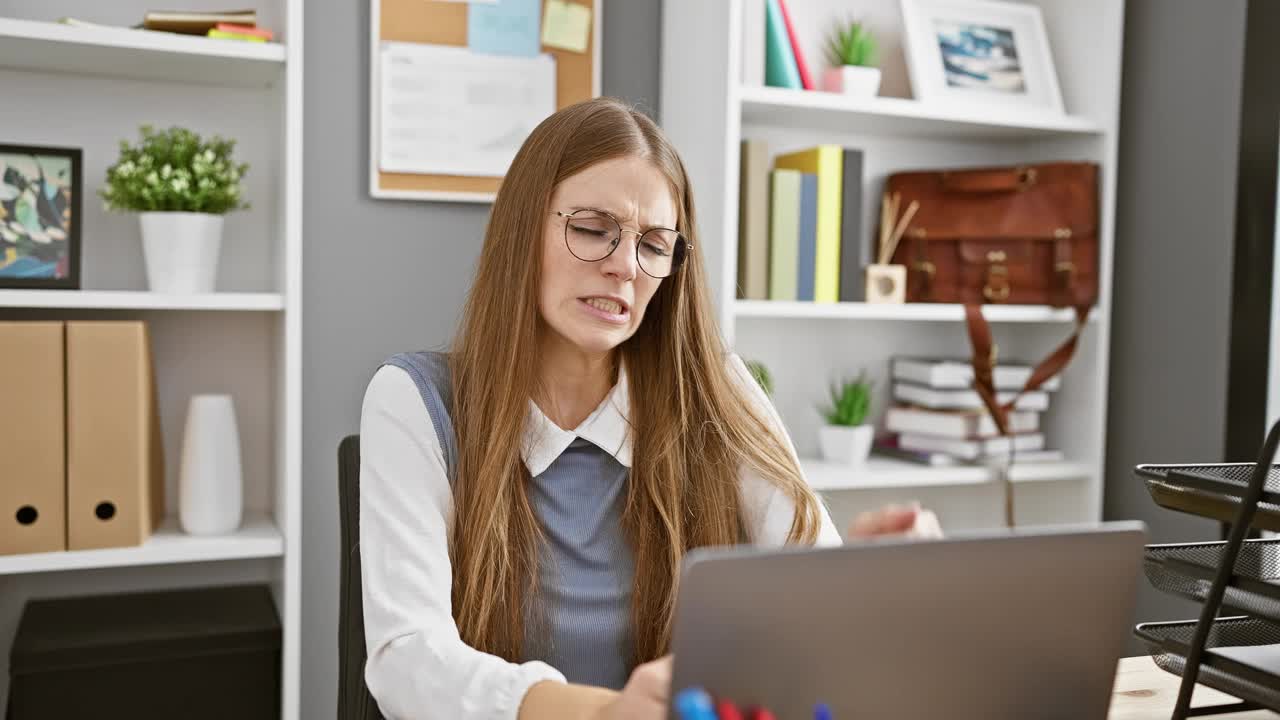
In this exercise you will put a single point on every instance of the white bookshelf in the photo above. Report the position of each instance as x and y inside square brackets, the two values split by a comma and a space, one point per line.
[258, 537]
[139, 300]
[888, 474]
[89, 88]
[898, 117]
[707, 110]
[924, 312]
[124, 52]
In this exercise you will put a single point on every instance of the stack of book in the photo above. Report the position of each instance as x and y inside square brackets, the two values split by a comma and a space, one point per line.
[800, 224]
[940, 420]
[224, 24]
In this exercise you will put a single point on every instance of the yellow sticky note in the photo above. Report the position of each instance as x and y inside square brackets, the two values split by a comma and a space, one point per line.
[566, 25]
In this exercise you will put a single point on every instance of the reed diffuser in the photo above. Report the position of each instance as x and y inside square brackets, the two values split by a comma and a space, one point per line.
[888, 283]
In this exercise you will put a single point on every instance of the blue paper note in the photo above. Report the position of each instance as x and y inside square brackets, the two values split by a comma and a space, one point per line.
[507, 27]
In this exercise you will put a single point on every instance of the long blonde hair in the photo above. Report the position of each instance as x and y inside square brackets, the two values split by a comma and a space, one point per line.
[692, 427]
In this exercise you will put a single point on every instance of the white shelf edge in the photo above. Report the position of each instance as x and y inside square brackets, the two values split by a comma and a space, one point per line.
[145, 40]
[257, 537]
[140, 300]
[938, 312]
[886, 473]
[763, 97]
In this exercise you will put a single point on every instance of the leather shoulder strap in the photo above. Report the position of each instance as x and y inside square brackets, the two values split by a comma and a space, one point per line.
[985, 357]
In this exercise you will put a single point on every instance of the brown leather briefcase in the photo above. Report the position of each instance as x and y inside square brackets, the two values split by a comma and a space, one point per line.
[1024, 235]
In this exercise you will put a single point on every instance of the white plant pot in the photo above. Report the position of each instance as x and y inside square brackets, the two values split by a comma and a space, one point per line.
[210, 486]
[853, 80]
[181, 250]
[846, 445]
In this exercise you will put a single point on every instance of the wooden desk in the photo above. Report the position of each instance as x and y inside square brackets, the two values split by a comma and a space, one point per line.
[1145, 692]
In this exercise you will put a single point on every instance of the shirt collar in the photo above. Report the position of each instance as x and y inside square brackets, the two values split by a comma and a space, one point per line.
[606, 428]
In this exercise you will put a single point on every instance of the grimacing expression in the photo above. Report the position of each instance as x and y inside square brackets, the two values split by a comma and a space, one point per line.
[598, 305]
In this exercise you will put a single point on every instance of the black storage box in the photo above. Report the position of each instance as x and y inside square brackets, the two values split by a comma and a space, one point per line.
[191, 654]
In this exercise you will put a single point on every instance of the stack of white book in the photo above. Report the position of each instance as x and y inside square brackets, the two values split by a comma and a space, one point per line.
[939, 419]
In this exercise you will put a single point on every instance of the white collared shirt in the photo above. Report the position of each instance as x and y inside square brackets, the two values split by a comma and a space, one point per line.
[418, 666]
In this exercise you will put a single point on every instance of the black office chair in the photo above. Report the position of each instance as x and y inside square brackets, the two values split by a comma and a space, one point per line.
[354, 700]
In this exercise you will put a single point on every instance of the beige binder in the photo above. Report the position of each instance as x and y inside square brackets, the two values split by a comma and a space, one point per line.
[33, 515]
[115, 459]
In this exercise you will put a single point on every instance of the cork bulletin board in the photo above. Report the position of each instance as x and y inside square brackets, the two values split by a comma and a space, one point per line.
[444, 22]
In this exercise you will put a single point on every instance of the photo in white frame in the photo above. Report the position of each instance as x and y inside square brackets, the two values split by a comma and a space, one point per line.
[980, 52]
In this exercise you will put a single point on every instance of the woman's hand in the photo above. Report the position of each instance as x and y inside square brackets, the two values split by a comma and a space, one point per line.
[904, 520]
[646, 695]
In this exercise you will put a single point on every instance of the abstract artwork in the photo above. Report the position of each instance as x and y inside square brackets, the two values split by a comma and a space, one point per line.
[40, 196]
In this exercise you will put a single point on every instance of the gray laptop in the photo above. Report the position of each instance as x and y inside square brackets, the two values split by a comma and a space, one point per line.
[1005, 624]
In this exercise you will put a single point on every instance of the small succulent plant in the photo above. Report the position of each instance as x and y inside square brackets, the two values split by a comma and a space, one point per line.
[850, 402]
[851, 43]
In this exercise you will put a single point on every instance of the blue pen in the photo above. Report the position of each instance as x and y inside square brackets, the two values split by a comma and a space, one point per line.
[694, 704]
[821, 711]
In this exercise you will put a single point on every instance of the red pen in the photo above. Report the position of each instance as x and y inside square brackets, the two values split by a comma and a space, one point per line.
[761, 714]
[726, 710]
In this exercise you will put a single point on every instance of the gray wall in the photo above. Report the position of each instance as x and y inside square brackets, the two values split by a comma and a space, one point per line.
[1175, 222]
[383, 276]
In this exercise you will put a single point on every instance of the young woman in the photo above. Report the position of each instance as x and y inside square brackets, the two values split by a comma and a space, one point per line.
[526, 498]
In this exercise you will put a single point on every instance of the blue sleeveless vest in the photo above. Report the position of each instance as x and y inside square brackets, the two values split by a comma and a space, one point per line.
[582, 626]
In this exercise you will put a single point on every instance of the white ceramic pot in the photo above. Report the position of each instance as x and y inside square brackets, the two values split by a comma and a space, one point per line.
[210, 486]
[181, 250]
[846, 445]
[853, 80]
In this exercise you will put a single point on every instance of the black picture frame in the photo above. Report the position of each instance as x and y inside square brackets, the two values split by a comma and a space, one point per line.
[67, 212]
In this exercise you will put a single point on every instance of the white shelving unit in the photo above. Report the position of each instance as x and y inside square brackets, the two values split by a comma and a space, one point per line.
[258, 537]
[140, 300]
[122, 52]
[887, 474]
[895, 116]
[937, 312]
[707, 110]
[90, 87]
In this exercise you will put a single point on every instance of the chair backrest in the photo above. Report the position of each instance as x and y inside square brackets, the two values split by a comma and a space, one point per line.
[354, 700]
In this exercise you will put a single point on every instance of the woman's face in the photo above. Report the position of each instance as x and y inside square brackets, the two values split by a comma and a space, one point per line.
[596, 306]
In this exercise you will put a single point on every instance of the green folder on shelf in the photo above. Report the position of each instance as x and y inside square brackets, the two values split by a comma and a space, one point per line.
[779, 61]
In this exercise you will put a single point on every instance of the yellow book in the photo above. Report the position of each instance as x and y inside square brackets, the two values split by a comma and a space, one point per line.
[223, 34]
[826, 161]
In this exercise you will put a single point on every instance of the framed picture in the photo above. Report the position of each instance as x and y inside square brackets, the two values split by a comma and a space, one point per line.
[40, 217]
[980, 52]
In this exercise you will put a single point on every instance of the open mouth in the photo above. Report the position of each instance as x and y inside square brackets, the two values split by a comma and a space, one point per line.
[606, 309]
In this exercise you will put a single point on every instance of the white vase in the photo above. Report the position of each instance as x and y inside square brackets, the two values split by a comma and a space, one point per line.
[846, 445]
[210, 486]
[181, 250]
[853, 80]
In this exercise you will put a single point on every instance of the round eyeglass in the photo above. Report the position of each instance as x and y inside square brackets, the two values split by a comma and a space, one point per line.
[593, 235]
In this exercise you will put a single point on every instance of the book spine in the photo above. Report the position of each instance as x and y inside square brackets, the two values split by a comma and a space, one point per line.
[263, 33]
[753, 221]
[784, 231]
[806, 80]
[222, 34]
[852, 253]
[830, 197]
[806, 267]
[780, 63]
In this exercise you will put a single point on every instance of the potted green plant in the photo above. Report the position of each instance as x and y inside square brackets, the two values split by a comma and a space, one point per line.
[181, 185]
[851, 50]
[846, 436]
